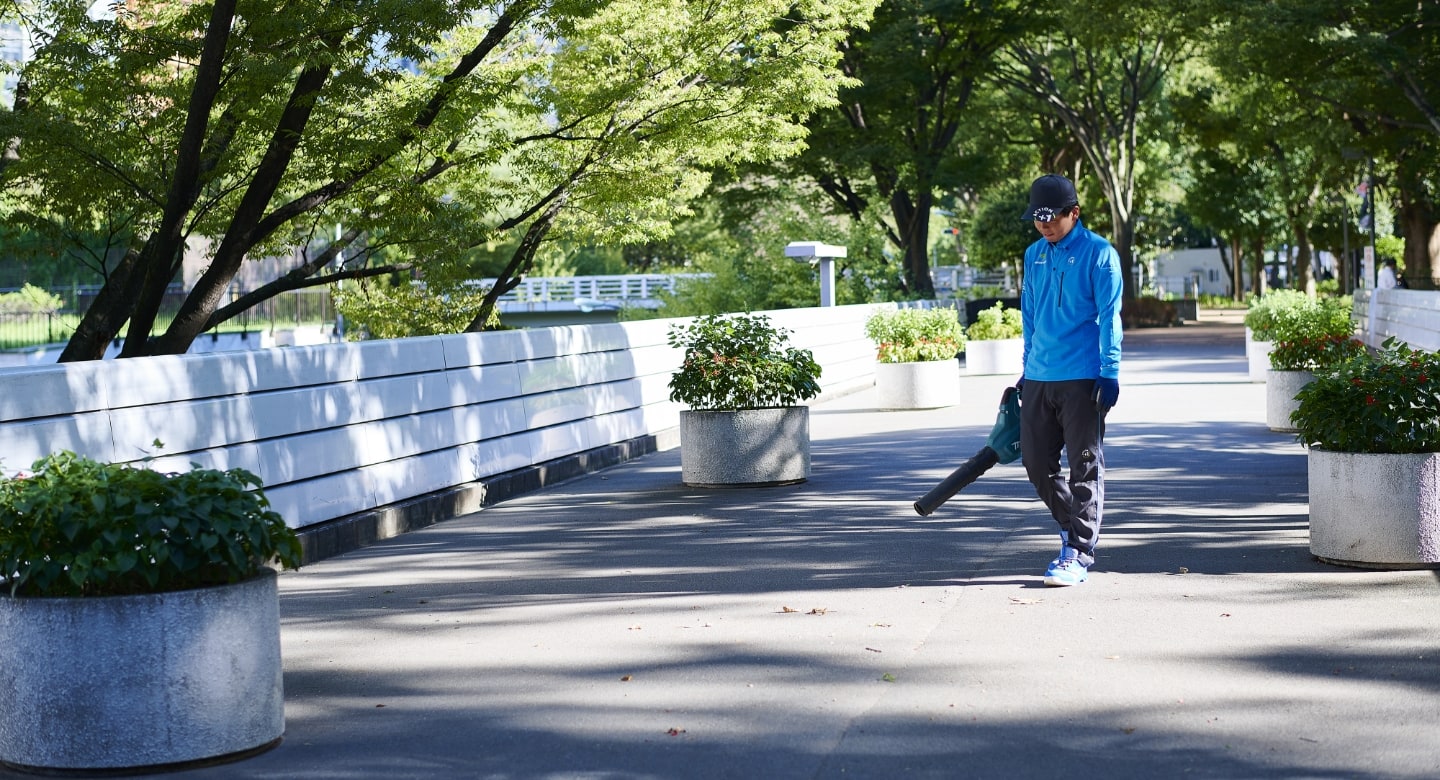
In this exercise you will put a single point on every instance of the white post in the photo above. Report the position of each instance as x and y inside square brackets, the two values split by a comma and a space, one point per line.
[827, 282]
[814, 252]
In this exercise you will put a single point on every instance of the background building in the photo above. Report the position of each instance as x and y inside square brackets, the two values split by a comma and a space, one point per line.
[15, 49]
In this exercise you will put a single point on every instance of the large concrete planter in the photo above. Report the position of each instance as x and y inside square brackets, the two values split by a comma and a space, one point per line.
[995, 356]
[921, 385]
[1257, 356]
[745, 448]
[1280, 390]
[125, 682]
[1375, 511]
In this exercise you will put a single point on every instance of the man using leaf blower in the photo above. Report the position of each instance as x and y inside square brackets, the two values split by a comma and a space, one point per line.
[1070, 306]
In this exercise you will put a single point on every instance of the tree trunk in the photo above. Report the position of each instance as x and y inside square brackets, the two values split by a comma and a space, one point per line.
[1123, 239]
[1257, 266]
[520, 262]
[1304, 276]
[162, 258]
[107, 313]
[1224, 250]
[1237, 270]
[1422, 239]
[912, 218]
[251, 223]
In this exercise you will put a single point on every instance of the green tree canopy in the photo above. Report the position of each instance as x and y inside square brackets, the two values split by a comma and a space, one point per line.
[427, 125]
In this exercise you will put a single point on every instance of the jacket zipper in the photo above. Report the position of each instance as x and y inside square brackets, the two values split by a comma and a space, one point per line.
[1059, 288]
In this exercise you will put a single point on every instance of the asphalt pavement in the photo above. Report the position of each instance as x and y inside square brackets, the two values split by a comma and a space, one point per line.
[621, 625]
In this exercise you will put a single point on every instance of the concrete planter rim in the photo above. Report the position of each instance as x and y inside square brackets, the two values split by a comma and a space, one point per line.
[990, 356]
[170, 680]
[740, 448]
[917, 384]
[1281, 385]
[1374, 510]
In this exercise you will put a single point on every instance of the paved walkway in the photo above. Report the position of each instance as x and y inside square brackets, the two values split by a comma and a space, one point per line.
[624, 626]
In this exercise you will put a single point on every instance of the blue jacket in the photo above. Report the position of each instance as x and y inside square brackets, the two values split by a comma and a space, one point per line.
[1070, 307]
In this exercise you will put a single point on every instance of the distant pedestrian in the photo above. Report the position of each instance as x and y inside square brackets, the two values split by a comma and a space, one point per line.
[1070, 309]
[1388, 278]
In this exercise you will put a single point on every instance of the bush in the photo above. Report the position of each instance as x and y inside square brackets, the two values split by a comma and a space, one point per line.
[1314, 353]
[1312, 318]
[1266, 310]
[740, 361]
[30, 300]
[1148, 312]
[1383, 403]
[1310, 333]
[996, 322]
[78, 527]
[915, 335]
[377, 310]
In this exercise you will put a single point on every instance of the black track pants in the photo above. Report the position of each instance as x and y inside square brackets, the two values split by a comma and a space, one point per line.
[1056, 416]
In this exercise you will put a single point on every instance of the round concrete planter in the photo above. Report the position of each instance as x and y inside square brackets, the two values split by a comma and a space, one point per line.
[1280, 390]
[745, 448]
[1257, 356]
[128, 682]
[1375, 511]
[995, 356]
[922, 385]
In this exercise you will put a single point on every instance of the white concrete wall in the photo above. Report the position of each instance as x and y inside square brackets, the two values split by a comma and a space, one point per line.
[338, 429]
[1412, 316]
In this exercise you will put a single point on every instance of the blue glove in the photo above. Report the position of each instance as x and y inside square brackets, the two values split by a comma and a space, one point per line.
[1107, 392]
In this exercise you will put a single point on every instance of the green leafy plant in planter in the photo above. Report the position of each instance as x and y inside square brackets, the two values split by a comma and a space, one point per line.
[1388, 402]
[740, 361]
[1372, 428]
[74, 526]
[915, 335]
[995, 323]
[1268, 311]
[1314, 353]
[1311, 318]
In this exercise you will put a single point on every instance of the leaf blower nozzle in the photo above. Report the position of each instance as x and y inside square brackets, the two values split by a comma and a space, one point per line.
[1003, 446]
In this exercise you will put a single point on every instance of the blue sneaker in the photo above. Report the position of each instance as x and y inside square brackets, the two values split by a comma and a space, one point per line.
[1064, 545]
[1067, 570]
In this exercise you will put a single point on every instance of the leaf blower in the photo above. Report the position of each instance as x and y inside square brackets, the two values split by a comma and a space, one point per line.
[1003, 446]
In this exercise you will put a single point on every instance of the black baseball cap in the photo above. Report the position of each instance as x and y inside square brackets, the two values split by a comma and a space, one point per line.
[1049, 195]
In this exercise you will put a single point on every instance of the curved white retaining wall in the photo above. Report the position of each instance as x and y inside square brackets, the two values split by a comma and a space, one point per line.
[337, 429]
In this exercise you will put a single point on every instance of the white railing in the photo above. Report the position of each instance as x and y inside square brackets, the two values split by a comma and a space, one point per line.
[948, 279]
[610, 289]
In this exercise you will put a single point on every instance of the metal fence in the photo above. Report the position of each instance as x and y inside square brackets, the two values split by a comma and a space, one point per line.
[26, 329]
[19, 330]
[626, 287]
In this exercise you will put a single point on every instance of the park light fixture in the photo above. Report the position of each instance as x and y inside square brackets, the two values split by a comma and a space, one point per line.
[815, 252]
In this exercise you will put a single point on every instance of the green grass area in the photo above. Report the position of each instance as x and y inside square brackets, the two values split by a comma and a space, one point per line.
[28, 330]
[1208, 301]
